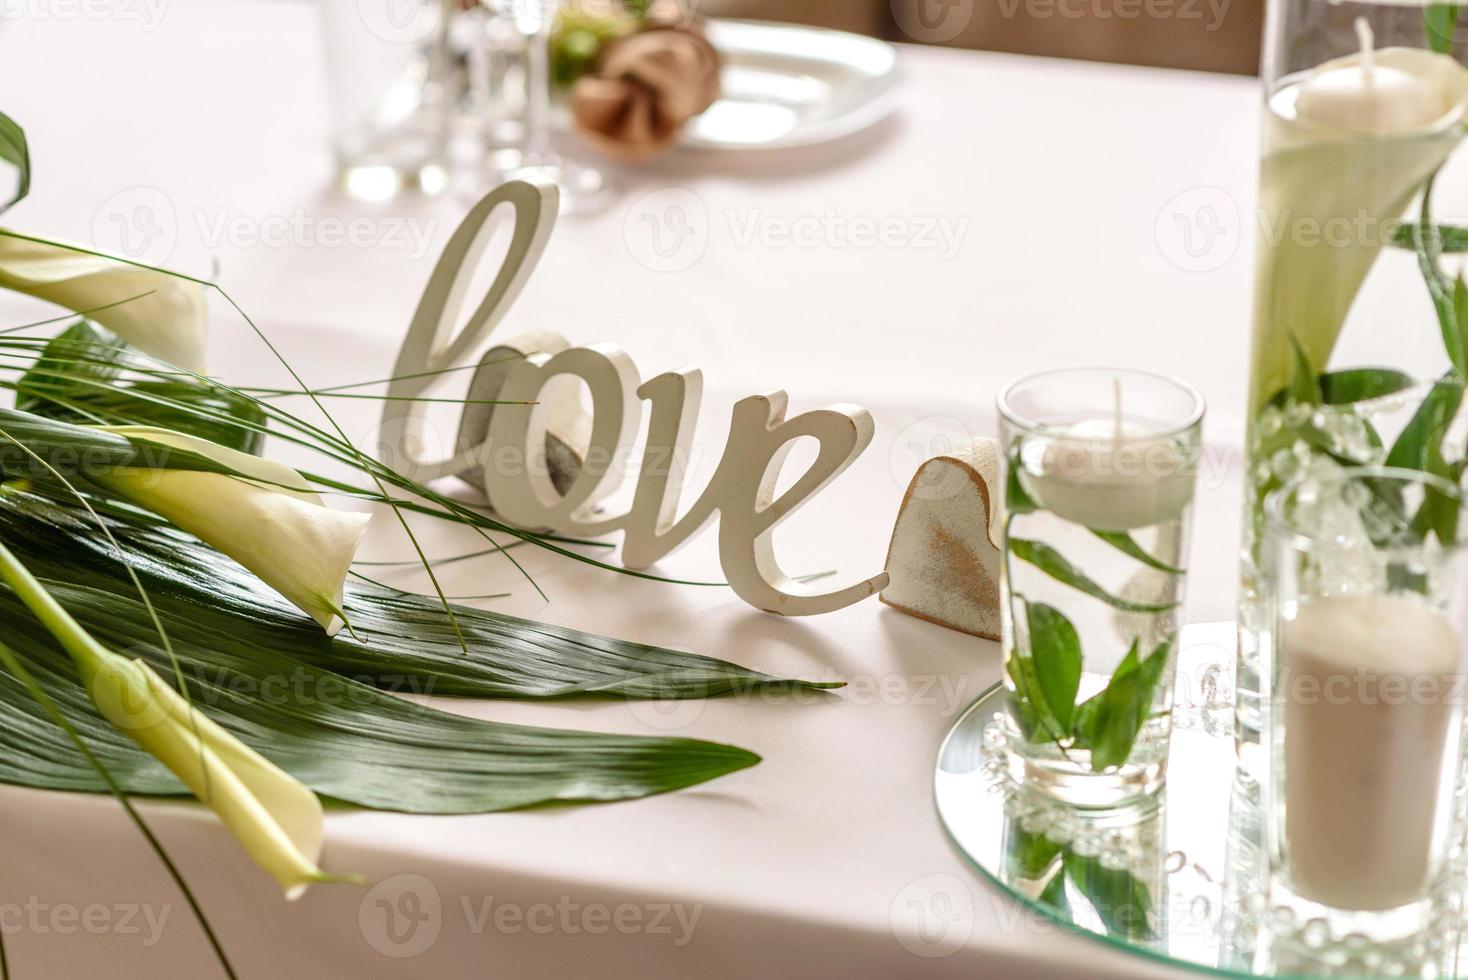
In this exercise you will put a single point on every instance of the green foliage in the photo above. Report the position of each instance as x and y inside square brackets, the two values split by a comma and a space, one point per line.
[79, 378]
[15, 151]
[1055, 565]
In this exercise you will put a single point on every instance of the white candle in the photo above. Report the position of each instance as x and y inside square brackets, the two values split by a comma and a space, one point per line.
[1107, 474]
[1359, 94]
[1366, 690]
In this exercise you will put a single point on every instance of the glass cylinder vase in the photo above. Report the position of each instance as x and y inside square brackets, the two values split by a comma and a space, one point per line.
[1364, 726]
[391, 89]
[1100, 471]
[1359, 318]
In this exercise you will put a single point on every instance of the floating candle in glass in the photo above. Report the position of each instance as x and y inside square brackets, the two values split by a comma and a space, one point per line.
[1100, 473]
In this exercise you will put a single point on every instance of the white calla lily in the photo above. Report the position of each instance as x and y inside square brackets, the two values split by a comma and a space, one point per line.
[1318, 176]
[269, 520]
[276, 818]
[159, 314]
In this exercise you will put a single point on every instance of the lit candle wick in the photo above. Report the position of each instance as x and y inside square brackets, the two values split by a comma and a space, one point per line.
[1368, 52]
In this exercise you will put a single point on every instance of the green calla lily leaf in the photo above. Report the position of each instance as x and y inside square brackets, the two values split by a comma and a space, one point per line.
[339, 735]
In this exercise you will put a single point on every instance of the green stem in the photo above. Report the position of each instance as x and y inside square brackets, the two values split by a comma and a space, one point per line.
[80, 644]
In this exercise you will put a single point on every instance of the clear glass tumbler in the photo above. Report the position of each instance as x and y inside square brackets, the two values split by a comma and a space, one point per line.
[1365, 592]
[1100, 471]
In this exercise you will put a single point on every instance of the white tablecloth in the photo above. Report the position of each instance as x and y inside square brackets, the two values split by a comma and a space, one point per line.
[1099, 212]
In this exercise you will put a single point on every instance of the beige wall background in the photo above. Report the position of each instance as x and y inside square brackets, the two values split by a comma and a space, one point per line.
[1208, 35]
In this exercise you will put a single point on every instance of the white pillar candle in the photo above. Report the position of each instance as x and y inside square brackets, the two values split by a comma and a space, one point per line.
[1366, 692]
[1359, 94]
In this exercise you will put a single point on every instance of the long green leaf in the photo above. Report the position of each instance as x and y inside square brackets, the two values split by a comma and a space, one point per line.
[405, 644]
[1058, 567]
[1127, 545]
[14, 151]
[341, 737]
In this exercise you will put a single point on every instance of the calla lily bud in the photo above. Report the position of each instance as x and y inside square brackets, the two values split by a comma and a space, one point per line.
[1315, 175]
[268, 519]
[159, 314]
[274, 816]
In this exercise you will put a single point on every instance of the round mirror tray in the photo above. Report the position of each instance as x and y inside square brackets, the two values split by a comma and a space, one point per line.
[1181, 879]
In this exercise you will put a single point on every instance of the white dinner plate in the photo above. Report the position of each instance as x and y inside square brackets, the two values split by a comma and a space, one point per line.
[785, 85]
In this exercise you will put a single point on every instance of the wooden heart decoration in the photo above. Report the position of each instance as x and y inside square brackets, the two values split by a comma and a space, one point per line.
[945, 552]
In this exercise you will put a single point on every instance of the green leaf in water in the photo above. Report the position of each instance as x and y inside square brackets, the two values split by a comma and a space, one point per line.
[1016, 500]
[1029, 854]
[1428, 425]
[1108, 723]
[1452, 238]
[1441, 20]
[1120, 900]
[1027, 704]
[1058, 567]
[1127, 545]
[1362, 384]
[1448, 297]
[1056, 648]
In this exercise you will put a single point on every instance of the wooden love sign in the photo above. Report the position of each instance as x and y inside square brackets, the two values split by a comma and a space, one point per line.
[546, 465]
